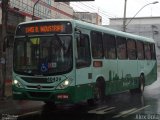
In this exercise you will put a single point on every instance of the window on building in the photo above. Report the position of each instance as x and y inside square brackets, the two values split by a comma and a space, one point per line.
[121, 48]
[97, 47]
[100, 20]
[140, 50]
[131, 49]
[109, 44]
[147, 51]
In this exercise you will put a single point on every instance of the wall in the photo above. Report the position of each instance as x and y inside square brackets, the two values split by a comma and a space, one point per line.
[89, 17]
[44, 9]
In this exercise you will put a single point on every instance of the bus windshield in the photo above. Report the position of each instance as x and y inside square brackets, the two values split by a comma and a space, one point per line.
[43, 55]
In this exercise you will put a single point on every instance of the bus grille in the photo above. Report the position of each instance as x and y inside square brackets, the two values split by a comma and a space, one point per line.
[39, 94]
[42, 87]
[35, 80]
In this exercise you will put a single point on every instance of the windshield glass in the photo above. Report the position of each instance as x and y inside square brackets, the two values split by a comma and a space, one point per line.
[44, 55]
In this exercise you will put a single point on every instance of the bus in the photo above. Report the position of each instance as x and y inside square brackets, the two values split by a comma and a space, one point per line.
[69, 61]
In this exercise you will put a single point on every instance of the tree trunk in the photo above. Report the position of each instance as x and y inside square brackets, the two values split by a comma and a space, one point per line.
[2, 47]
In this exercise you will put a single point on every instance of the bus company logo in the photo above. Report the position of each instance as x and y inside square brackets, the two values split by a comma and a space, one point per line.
[39, 86]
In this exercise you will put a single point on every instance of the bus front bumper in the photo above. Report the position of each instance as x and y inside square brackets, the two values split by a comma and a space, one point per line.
[57, 96]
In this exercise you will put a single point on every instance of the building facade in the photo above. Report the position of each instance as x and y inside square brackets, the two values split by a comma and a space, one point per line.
[93, 18]
[143, 26]
[44, 9]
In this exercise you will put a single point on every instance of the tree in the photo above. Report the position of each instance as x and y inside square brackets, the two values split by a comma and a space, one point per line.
[5, 4]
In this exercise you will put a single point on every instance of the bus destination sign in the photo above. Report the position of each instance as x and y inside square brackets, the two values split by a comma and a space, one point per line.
[44, 29]
[63, 27]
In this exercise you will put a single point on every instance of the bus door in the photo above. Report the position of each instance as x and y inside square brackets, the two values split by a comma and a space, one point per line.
[83, 62]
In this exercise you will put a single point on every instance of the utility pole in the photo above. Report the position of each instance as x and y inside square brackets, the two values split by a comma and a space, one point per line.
[5, 5]
[124, 17]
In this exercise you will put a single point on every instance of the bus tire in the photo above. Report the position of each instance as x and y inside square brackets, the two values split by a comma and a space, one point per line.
[100, 90]
[91, 102]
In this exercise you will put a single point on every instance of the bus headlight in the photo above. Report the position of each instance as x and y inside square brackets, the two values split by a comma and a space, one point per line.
[64, 84]
[17, 84]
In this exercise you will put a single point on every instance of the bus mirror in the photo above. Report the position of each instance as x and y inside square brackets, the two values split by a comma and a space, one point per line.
[78, 31]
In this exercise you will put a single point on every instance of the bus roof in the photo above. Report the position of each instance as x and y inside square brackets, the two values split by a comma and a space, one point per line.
[112, 31]
[90, 26]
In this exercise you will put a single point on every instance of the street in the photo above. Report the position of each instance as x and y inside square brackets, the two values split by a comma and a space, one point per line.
[123, 106]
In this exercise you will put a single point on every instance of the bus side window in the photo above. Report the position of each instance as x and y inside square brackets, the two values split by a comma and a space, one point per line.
[121, 48]
[140, 50]
[131, 48]
[153, 52]
[147, 51]
[83, 51]
[109, 44]
[97, 47]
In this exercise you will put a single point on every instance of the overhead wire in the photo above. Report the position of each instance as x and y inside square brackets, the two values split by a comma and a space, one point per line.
[92, 8]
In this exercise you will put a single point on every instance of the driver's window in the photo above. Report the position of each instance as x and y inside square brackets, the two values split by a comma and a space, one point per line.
[83, 51]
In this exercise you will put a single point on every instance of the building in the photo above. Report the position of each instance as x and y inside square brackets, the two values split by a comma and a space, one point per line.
[89, 17]
[23, 10]
[143, 26]
[26, 10]
[44, 9]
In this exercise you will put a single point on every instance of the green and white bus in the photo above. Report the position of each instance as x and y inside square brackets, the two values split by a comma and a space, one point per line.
[68, 61]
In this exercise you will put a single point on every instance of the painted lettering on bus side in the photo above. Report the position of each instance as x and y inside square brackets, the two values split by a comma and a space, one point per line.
[127, 83]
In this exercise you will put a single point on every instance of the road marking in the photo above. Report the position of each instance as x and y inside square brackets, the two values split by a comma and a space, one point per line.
[129, 112]
[124, 112]
[105, 111]
[102, 110]
[97, 109]
[30, 113]
[136, 110]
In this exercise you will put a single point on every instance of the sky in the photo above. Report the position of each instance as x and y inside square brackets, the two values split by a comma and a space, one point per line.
[115, 8]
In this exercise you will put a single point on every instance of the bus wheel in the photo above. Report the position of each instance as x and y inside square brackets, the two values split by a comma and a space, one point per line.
[91, 102]
[100, 90]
